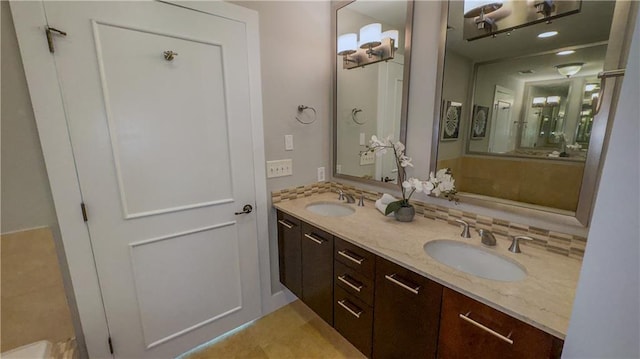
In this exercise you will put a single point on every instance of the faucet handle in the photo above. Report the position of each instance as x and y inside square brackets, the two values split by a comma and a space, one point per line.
[515, 245]
[361, 201]
[465, 229]
[340, 195]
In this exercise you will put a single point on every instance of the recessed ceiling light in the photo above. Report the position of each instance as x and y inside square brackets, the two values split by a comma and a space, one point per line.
[526, 72]
[565, 52]
[547, 34]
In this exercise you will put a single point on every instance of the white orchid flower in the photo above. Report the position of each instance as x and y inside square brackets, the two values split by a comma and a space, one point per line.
[405, 161]
[399, 147]
[416, 184]
[428, 186]
[406, 185]
[440, 175]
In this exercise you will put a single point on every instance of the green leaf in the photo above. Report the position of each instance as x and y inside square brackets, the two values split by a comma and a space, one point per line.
[392, 207]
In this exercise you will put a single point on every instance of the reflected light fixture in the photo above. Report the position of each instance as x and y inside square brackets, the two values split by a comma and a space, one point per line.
[478, 10]
[539, 102]
[590, 87]
[374, 46]
[569, 70]
[553, 100]
[544, 35]
[565, 52]
[544, 7]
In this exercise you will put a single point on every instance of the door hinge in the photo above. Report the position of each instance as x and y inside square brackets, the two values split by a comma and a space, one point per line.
[110, 345]
[48, 30]
[84, 211]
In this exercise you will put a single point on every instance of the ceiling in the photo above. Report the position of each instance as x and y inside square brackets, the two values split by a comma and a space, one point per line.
[389, 12]
[590, 25]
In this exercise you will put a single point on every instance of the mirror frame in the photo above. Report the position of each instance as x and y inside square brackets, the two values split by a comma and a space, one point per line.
[619, 46]
[335, 6]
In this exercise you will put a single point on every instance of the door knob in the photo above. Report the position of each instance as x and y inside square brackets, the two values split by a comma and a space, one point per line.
[246, 209]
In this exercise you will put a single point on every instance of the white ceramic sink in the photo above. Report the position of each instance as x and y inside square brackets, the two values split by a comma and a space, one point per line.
[474, 260]
[330, 209]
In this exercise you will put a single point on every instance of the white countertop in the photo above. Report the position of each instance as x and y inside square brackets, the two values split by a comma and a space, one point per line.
[543, 299]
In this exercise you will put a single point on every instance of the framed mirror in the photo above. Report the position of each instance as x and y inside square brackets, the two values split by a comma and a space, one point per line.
[526, 82]
[372, 43]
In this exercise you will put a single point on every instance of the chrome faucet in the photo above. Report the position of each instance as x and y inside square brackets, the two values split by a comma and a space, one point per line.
[345, 196]
[487, 238]
[515, 245]
[465, 229]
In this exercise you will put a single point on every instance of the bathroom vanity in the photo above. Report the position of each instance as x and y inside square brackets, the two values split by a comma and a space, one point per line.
[371, 279]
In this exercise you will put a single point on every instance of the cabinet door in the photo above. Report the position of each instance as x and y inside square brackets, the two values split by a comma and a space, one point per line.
[317, 271]
[354, 320]
[406, 313]
[470, 329]
[290, 253]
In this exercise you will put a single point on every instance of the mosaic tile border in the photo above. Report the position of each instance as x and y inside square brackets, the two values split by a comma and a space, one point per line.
[560, 243]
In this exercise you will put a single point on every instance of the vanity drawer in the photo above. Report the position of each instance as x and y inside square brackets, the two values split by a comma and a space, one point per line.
[353, 283]
[355, 257]
[470, 329]
[354, 320]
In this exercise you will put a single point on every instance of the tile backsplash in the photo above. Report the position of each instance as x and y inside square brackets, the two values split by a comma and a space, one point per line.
[560, 243]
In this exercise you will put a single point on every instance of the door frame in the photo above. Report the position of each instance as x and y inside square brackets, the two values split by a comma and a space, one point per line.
[42, 79]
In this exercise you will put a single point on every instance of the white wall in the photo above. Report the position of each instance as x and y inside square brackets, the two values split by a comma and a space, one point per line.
[457, 71]
[295, 50]
[606, 313]
[26, 196]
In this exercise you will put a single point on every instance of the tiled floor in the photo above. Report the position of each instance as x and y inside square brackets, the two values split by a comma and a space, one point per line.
[34, 305]
[293, 331]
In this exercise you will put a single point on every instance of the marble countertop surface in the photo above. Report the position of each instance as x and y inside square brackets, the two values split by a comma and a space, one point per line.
[543, 299]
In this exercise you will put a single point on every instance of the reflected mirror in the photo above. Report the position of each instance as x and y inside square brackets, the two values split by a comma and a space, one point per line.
[372, 43]
[517, 101]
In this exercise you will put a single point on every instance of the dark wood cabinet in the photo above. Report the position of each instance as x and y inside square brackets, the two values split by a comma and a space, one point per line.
[470, 329]
[317, 271]
[354, 320]
[290, 252]
[388, 311]
[406, 313]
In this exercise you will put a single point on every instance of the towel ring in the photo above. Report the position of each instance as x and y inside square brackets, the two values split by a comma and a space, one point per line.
[354, 116]
[301, 109]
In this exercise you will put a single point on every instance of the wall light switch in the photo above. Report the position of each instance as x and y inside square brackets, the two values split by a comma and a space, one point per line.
[367, 158]
[288, 142]
[279, 168]
[361, 138]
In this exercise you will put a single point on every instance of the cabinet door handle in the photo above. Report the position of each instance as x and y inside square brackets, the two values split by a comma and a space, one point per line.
[343, 279]
[392, 278]
[346, 307]
[350, 257]
[466, 318]
[311, 237]
[285, 223]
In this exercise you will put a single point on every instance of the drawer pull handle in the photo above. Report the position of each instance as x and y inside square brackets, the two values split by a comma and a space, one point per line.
[350, 257]
[285, 223]
[346, 307]
[311, 237]
[343, 279]
[392, 279]
[486, 329]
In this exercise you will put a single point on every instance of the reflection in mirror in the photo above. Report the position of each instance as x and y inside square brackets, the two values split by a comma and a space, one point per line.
[371, 85]
[526, 94]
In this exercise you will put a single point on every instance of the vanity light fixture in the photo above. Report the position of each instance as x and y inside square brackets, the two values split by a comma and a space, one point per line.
[374, 46]
[479, 10]
[544, 35]
[570, 69]
[565, 52]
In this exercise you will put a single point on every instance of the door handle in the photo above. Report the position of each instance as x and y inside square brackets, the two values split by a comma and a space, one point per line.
[246, 209]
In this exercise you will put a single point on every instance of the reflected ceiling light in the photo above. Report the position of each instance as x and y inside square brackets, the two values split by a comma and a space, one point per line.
[544, 35]
[374, 46]
[565, 52]
[569, 70]
[526, 72]
[590, 87]
[539, 102]
[553, 100]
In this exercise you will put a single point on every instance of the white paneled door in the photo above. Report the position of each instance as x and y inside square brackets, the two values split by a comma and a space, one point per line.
[157, 104]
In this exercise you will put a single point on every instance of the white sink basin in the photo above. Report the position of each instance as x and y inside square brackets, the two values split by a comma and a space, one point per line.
[330, 209]
[475, 260]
